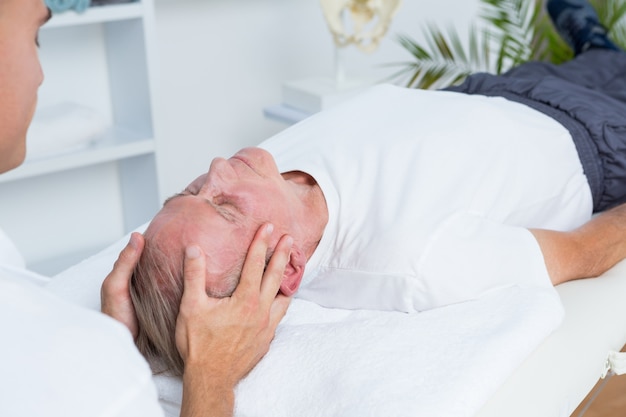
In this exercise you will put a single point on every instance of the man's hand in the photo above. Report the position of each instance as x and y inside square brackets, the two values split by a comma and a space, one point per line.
[115, 291]
[221, 340]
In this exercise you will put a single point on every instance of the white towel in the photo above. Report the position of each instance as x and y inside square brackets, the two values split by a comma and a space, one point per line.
[63, 127]
[444, 362]
[330, 362]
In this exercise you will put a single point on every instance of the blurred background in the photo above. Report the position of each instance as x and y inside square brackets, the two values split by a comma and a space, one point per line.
[190, 79]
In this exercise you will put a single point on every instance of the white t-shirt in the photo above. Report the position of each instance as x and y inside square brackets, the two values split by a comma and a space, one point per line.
[62, 360]
[429, 196]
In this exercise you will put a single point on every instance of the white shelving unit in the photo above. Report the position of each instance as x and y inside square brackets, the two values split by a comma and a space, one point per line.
[285, 114]
[69, 205]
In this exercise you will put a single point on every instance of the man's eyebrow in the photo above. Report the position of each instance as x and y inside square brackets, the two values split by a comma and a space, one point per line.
[177, 195]
[223, 213]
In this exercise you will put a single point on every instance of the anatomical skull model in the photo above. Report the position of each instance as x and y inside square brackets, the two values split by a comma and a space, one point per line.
[369, 20]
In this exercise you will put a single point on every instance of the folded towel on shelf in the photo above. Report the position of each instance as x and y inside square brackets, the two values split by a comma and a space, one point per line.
[58, 6]
[63, 127]
[445, 362]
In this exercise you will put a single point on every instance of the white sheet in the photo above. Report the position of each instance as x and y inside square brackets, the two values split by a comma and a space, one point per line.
[445, 362]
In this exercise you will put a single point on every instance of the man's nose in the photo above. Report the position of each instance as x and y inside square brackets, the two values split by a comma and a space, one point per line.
[220, 174]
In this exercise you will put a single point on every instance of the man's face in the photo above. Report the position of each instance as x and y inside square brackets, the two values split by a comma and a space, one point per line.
[221, 211]
[20, 75]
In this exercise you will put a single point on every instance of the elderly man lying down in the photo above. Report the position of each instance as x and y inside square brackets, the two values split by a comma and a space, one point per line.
[410, 200]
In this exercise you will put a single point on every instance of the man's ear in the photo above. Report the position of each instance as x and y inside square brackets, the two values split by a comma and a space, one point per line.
[293, 273]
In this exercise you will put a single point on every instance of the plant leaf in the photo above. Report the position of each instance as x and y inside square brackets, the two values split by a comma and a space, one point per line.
[513, 32]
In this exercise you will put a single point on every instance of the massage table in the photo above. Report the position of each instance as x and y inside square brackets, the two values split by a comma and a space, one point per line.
[515, 352]
[564, 368]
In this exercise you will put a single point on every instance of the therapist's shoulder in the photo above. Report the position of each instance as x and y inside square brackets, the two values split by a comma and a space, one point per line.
[60, 359]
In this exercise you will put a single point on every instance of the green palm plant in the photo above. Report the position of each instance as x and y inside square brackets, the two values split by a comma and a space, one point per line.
[512, 32]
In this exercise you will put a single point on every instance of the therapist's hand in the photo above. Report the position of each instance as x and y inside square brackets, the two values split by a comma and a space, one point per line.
[221, 340]
[115, 291]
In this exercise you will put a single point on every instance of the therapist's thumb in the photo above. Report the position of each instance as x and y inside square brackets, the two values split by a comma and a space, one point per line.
[119, 277]
[194, 271]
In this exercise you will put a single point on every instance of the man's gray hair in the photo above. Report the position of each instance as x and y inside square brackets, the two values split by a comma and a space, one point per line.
[156, 290]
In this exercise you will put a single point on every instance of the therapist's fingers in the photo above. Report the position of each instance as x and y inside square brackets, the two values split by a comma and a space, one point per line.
[195, 321]
[194, 276]
[271, 283]
[115, 291]
[118, 281]
[254, 265]
[237, 329]
[278, 310]
[274, 273]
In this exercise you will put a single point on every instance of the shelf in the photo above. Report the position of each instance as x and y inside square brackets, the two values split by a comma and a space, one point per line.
[285, 114]
[70, 203]
[97, 14]
[117, 144]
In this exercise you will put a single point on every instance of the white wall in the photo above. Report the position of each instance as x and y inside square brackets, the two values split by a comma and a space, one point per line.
[222, 61]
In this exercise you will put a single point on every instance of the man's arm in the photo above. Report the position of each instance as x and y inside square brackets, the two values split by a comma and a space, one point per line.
[221, 340]
[585, 252]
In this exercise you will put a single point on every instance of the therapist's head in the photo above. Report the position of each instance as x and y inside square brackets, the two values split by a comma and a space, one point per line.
[220, 211]
[20, 75]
